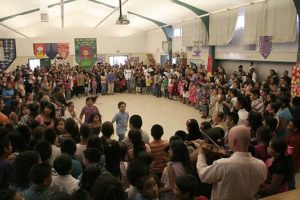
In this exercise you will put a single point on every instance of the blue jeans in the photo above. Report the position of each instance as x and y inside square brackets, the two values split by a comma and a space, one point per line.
[103, 86]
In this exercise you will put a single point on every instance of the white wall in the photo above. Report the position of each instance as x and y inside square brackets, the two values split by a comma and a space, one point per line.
[283, 56]
[131, 46]
[281, 52]
[154, 43]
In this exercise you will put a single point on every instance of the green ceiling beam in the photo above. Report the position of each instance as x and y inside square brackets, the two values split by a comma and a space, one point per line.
[32, 11]
[196, 10]
[158, 23]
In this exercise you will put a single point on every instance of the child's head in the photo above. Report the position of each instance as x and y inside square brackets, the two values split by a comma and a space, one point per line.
[135, 121]
[147, 187]
[277, 148]
[89, 101]
[122, 106]
[89, 177]
[186, 187]
[254, 94]
[50, 135]
[41, 174]
[63, 165]
[91, 155]
[107, 129]
[214, 91]
[44, 149]
[218, 117]
[85, 131]
[68, 147]
[94, 141]
[181, 134]
[232, 119]
[157, 131]
[107, 187]
[270, 122]
[294, 126]
[263, 135]
[95, 118]
[232, 92]
[60, 125]
[25, 110]
[70, 105]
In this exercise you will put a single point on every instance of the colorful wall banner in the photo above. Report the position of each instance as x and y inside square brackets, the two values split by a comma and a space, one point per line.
[295, 87]
[39, 50]
[63, 50]
[86, 52]
[209, 64]
[101, 59]
[51, 50]
[196, 52]
[265, 46]
[7, 53]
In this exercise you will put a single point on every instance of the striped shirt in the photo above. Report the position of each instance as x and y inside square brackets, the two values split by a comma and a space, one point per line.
[160, 159]
[257, 105]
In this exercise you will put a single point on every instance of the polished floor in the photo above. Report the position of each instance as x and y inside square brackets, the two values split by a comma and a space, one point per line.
[171, 115]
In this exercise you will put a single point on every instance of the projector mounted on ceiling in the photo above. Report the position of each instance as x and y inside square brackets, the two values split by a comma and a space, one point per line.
[122, 18]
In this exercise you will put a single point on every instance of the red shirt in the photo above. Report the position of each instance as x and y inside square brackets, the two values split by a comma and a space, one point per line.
[294, 141]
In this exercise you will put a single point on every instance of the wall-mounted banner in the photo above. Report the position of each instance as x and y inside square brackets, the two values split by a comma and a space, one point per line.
[101, 59]
[134, 59]
[265, 46]
[209, 64]
[86, 52]
[63, 49]
[39, 50]
[196, 52]
[7, 53]
[295, 89]
[51, 50]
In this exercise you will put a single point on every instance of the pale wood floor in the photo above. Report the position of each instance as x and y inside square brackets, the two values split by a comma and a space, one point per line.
[172, 115]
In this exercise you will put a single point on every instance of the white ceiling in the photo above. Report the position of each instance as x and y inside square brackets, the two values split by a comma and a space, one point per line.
[81, 16]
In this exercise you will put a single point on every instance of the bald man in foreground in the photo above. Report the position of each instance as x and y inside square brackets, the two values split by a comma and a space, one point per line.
[237, 177]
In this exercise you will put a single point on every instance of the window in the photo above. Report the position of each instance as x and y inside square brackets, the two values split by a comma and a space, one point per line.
[177, 32]
[118, 60]
[240, 23]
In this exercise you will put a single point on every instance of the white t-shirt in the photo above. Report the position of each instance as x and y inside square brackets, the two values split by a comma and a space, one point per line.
[79, 151]
[127, 74]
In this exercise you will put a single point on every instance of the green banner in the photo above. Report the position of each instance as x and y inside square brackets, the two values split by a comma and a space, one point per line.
[86, 52]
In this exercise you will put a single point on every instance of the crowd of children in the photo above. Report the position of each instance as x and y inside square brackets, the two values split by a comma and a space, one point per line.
[70, 156]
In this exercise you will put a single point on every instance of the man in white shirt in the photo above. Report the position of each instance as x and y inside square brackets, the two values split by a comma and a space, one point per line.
[237, 177]
[254, 75]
